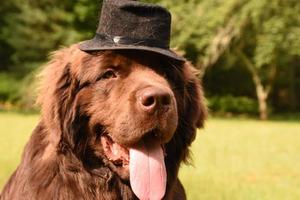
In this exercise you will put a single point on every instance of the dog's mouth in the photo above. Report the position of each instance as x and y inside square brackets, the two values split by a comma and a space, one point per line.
[115, 153]
[143, 164]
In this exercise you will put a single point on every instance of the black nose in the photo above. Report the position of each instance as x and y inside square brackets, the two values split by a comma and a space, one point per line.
[151, 99]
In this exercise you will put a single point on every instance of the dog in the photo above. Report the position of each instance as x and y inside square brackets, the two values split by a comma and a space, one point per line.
[118, 114]
[95, 107]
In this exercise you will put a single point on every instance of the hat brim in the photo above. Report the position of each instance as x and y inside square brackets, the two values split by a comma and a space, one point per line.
[97, 45]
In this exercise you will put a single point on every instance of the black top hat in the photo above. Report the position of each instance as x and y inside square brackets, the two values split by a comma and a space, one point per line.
[128, 24]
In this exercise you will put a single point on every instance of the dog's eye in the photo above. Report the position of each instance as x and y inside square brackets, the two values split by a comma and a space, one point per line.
[110, 73]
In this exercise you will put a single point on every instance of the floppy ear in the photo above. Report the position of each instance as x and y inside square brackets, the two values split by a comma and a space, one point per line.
[192, 114]
[195, 107]
[58, 98]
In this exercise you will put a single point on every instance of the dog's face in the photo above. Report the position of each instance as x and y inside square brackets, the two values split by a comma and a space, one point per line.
[137, 101]
[103, 104]
[128, 98]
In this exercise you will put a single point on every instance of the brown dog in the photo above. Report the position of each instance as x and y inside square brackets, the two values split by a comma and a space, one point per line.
[98, 110]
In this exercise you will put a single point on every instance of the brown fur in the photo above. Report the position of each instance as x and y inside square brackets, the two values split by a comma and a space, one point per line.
[64, 159]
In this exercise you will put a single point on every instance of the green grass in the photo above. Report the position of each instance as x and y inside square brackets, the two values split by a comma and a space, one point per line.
[245, 159]
[15, 130]
[233, 159]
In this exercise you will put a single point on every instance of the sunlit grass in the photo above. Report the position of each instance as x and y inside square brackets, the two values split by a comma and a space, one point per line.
[234, 159]
[245, 159]
[15, 130]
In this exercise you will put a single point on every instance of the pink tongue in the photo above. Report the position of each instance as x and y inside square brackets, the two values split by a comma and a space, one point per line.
[148, 176]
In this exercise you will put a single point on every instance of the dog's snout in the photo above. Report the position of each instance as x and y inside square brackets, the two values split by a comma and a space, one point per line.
[151, 99]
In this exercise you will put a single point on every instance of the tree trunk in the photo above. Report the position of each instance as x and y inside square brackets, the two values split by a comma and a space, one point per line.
[262, 97]
[262, 92]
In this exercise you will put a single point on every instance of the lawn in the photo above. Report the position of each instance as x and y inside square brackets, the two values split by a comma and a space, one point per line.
[233, 159]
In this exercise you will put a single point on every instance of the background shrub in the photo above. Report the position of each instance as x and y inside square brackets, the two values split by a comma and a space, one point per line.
[232, 104]
[8, 87]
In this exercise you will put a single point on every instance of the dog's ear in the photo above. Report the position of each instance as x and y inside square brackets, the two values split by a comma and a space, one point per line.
[57, 96]
[192, 113]
[194, 110]
[195, 105]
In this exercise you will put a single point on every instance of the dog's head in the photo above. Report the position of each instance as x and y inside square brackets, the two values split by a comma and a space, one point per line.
[99, 106]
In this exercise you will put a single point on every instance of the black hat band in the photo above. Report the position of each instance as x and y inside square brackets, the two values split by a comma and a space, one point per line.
[120, 40]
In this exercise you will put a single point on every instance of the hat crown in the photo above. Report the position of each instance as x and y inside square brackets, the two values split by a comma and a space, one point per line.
[132, 25]
[135, 20]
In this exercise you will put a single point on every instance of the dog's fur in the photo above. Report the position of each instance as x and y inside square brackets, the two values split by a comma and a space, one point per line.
[64, 158]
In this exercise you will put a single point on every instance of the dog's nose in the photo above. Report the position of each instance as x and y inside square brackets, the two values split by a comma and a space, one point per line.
[151, 99]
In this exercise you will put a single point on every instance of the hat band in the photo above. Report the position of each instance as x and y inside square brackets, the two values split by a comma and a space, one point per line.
[119, 40]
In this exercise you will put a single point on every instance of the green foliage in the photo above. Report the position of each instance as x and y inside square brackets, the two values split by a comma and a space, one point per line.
[228, 76]
[231, 104]
[27, 92]
[8, 88]
[278, 32]
[32, 29]
[205, 31]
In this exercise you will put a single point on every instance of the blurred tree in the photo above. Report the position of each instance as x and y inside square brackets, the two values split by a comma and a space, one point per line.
[5, 50]
[31, 29]
[264, 35]
[269, 40]
[261, 35]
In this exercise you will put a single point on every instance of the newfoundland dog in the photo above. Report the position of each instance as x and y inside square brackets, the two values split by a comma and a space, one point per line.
[115, 125]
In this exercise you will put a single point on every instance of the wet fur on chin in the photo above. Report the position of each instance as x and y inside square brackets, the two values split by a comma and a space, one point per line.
[63, 160]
